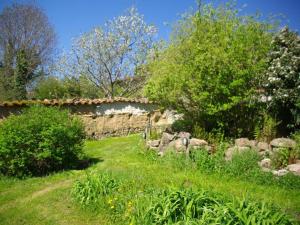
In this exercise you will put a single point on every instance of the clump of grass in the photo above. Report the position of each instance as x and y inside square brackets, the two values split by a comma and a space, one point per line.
[90, 191]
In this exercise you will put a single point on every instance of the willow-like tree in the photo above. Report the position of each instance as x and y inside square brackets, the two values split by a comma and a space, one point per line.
[112, 56]
[212, 68]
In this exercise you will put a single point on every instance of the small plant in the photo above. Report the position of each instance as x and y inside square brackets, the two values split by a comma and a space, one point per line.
[93, 189]
[154, 134]
[266, 130]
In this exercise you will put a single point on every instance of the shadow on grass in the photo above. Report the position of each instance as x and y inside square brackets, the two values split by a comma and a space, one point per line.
[87, 162]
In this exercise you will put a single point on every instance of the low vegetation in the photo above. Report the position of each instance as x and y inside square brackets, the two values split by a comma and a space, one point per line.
[128, 184]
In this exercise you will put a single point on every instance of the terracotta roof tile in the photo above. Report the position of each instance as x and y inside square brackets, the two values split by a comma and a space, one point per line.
[75, 101]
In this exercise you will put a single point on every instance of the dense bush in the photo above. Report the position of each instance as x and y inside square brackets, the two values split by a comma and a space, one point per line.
[39, 141]
[212, 69]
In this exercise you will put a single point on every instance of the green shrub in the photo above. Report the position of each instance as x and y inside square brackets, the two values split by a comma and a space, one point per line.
[39, 141]
[280, 157]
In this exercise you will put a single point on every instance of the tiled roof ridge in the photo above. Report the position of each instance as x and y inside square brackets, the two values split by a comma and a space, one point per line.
[75, 101]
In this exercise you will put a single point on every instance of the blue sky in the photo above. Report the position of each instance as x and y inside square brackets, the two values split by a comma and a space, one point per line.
[71, 18]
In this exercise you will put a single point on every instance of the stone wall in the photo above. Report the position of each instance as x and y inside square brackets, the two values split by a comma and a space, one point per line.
[110, 118]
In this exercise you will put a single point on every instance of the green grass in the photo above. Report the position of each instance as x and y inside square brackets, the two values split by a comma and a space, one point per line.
[48, 200]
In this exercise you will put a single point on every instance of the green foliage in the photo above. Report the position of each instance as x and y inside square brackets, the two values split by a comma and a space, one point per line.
[185, 206]
[212, 68]
[39, 141]
[266, 130]
[281, 157]
[54, 88]
[22, 75]
[90, 191]
[49, 88]
[296, 152]
[282, 83]
[243, 164]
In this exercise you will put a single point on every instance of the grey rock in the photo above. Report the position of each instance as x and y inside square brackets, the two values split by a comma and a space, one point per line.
[283, 143]
[280, 173]
[184, 135]
[153, 143]
[262, 146]
[242, 142]
[294, 168]
[265, 163]
[198, 142]
[165, 140]
[178, 146]
[253, 144]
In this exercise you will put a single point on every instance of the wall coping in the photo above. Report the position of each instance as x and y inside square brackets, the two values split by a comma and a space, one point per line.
[75, 101]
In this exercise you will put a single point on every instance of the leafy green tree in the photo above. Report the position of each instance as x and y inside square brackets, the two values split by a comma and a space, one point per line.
[282, 83]
[212, 68]
[49, 88]
[21, 75]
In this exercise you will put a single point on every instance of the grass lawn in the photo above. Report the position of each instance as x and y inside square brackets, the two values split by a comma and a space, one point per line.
[47, 200]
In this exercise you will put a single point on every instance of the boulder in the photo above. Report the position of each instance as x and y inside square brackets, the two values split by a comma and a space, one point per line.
[262, 146]
[165, 140]
[197, 142]
[283, 143]
[178, 145]
[294, 168]
[280, 173]
[265, 163]
[184, 135]
[253, 144]
[153, 143]
[243, 142]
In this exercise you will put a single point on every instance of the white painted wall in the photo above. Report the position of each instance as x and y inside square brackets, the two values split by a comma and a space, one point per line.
[124, 107]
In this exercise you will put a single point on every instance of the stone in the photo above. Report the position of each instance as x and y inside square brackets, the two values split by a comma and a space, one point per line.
[265, 163]
[253, 144]
[160, 154]
[294, 168]
[178, 146]
[283, 143]
[153, 143]
[262, 146]
[184, 135]
[197, 142]
[165, 140]
[229, 153]
[280, 173]
[242, 142]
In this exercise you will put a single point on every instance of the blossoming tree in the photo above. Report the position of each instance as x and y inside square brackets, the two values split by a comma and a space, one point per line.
[112, 56]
